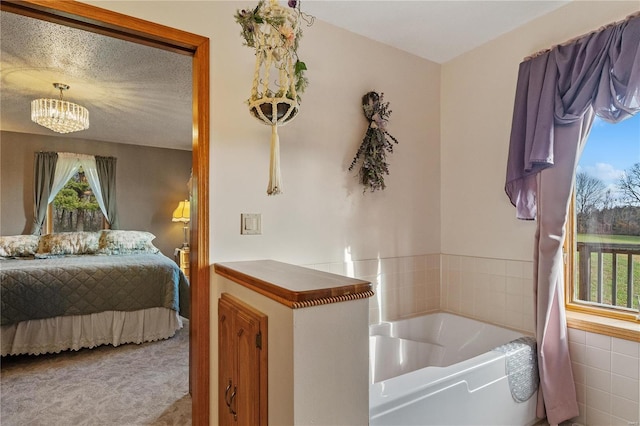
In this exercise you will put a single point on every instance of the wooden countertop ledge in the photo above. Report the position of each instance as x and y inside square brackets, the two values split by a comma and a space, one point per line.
[294, 286]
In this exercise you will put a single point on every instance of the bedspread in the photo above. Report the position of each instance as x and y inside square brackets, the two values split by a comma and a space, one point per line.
[79, 285]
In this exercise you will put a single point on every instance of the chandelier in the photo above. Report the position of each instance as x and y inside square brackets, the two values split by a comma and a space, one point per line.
[59, 115]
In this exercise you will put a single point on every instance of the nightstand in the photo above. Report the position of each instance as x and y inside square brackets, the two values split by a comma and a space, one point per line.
[182, 259]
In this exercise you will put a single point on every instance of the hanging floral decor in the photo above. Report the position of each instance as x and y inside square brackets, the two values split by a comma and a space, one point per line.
[274, 32]
[376, 143]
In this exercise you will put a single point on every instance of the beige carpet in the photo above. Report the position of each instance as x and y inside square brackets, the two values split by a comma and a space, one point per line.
[131, 384]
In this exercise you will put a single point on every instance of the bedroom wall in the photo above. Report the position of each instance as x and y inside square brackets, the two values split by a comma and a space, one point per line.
[481, 238]
[150, 183]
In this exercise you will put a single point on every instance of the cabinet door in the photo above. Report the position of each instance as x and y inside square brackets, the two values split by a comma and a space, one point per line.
[242, 381]
[248, 397]
[226, 362]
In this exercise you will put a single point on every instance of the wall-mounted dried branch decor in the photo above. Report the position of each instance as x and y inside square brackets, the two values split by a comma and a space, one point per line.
[376, 144]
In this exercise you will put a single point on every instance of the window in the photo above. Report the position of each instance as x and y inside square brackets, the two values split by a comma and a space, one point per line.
[67, 198]
[603, 231]
[75, 207]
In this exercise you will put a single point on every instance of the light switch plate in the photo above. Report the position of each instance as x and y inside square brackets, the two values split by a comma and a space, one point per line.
[250, 224]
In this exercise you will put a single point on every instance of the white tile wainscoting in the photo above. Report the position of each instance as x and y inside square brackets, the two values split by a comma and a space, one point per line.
[500, 291]
[606, 369]
[606, 372]
[497, 291]
[403, 286]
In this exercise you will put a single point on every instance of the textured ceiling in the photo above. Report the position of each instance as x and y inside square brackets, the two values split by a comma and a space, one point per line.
[135, 94]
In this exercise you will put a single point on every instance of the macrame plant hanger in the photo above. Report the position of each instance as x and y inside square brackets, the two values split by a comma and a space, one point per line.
[274, 100]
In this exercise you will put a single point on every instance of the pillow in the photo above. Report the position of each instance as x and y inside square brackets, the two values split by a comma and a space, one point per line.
[126, 242]
[65, 243]
[18, 245]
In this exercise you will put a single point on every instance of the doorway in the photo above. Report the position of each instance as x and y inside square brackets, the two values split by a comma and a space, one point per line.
[102, 21]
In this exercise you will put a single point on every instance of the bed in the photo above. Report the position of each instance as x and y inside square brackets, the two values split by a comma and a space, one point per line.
[84, 289]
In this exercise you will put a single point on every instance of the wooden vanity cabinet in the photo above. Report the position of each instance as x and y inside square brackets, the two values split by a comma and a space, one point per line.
[242, 374]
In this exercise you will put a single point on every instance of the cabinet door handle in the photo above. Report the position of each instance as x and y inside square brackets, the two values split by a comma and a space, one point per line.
[226, 393]
[231, 410]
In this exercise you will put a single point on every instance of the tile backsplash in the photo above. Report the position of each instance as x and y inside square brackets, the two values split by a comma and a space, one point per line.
[606, 371]
[493, 290]
[403, 286]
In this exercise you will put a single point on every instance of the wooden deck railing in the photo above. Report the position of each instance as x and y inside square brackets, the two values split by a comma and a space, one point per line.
[585, 278]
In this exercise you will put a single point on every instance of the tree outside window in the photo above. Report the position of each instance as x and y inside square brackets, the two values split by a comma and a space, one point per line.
[607, 217]
[75, 208]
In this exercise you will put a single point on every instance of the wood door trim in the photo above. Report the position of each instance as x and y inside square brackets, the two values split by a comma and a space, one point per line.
[106, 22]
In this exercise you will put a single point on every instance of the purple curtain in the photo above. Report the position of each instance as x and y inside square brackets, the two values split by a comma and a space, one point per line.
[557, 95]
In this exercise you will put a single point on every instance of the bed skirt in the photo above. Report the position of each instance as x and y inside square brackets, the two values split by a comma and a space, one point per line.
[53, 335]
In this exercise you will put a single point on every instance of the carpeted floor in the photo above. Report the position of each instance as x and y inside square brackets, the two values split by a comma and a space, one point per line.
[145, 384]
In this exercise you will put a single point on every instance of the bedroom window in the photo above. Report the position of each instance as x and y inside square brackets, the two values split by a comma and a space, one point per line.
[75, 207]
[67, 188]
[603, 231]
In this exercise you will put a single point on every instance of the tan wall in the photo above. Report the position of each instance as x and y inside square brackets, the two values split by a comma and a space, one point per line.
[150, 183]
[478, 90]
[322, 213]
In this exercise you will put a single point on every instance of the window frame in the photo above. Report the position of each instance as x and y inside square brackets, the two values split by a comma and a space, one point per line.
[597, 319]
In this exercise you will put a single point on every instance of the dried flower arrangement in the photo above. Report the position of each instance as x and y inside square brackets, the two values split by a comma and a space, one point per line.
[376, 143]
[278, 80]
[290, 34]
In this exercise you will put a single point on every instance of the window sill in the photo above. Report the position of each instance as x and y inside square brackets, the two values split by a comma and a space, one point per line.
[622, 329]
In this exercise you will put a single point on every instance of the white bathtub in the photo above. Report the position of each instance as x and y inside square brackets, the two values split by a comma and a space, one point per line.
[441, 369]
